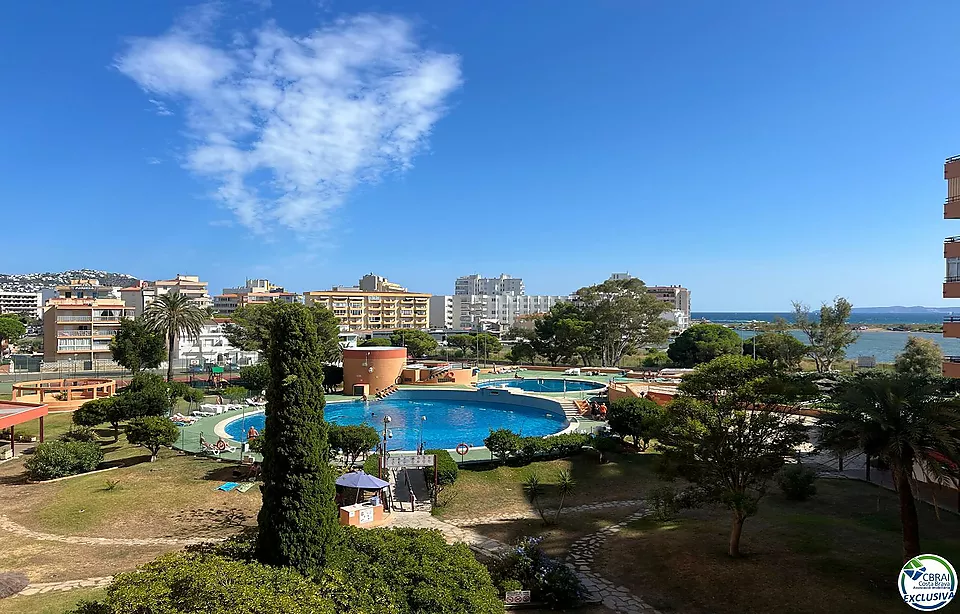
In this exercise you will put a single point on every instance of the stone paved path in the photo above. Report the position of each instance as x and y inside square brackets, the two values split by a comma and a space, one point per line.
[67, 585]
[11, 527]
[580, 559]
[579, 509]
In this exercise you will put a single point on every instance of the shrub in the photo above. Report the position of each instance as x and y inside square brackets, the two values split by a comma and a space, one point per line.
[152, 432]
[371, 465]
[58, 459]
[502, 443]
[79, 433]
[639, 418]
[558, 446]
[352, 440]
[663, 502]
[93, 412]
[549, 581]
[198, 582]
[606, 445]
[797, 482]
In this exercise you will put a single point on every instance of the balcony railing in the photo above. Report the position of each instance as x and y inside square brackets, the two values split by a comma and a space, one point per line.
[950, 280]
[951, 359]
[952, 240]
[74, 333]
[73, 318]
[951, 159]
[115, 318]
[948, 319]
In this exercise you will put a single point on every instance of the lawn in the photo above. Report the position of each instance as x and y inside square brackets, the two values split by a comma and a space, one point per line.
[48, 603]
[181, 489]
[840, 551]
[54, 425]
[492, 491]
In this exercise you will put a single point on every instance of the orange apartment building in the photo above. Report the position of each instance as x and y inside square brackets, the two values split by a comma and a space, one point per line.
[80, 321]
[360, 310]
[951, 252]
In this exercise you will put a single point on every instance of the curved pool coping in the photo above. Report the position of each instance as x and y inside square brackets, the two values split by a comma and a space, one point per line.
[571, 423]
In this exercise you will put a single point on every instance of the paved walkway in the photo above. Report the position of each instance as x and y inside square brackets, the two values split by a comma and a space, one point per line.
[11, 527]
[578, 509]
[67, 585]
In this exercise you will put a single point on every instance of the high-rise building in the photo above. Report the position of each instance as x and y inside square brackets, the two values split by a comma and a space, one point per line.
[80, 322]
[951, 252]
[471, 311]
[474, 284]
[359, 310]
[375, 283]
[29, 304]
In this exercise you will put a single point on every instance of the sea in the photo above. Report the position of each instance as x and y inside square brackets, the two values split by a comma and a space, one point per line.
[882, 345]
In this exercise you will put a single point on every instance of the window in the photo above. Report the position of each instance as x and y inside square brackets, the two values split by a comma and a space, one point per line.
[953, 269]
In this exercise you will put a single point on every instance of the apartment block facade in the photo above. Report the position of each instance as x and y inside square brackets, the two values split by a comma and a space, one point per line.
[474, 284]
[140, 296]
[951, 253]
[29, 304]
[359, 310]
[256, 291]
[80, 322]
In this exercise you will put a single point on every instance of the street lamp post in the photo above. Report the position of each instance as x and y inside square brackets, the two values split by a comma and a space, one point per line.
[420, 448]
[383, 450]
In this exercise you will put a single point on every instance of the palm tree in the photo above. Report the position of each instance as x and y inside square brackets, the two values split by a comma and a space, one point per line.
[904, 420]
[173, 315]
[533, 489]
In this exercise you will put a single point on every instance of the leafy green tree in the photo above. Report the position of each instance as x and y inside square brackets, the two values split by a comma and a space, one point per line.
[702, 343]
[623, 317]
[522, 352]
[639, 418]
[464, 343]
[487, 343]
[905, 421]
[152, 432]
[249, 328]
[173, 316]
[418, 343]
[11, 328]
[235, 393]
[829, 334]
[353, 440]
[332, 377]
[502, 443]
[561, 334]
[93, 412]
[376, 342]
[255, 377]
[781, 349]
[656, 359]
[298, 520]
[211, 584]
[920, 356]
[137, 347]
[727, 432]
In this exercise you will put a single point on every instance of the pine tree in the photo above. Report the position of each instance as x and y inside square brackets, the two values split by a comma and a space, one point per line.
[298, 519]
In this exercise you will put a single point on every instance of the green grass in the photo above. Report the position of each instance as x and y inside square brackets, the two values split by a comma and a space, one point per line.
[839, 551]
[500, 490]
[48, 603]
[53, 426]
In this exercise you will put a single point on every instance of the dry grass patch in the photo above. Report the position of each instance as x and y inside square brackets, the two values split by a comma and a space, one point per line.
[837, 552]
[50, 561]
[48, 603]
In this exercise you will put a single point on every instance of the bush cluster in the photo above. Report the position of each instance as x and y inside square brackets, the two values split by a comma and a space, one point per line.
[527, 567]
[57, 459]
[447, 469]
[375, 571]
[507, 445]
[79, 433]
[797, 482]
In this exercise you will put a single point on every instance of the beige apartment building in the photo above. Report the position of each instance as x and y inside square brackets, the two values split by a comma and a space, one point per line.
[80, 322]
[360, 310]
[140, 296]
[255, 292]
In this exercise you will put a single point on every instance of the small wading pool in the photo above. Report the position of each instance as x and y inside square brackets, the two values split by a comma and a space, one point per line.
[541, 384]
[453, 417]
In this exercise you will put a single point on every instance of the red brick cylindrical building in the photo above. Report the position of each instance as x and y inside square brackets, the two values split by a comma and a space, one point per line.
[368, 370]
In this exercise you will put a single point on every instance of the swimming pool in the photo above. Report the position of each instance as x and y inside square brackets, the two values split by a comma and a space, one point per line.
[541, 384]
[452, 417]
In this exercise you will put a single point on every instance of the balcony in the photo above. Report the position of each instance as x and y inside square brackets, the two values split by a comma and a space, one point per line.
[951, 168]
[951, 366]
[951, 208]
[951, 247]
[951, 287]
[73, 318]
[73, 333]
[951, 326]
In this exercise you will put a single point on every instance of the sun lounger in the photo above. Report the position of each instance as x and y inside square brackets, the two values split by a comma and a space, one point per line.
[206, 446]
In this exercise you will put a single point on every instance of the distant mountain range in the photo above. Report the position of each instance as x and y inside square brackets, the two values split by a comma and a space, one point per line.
[35, 282]
[902, 309]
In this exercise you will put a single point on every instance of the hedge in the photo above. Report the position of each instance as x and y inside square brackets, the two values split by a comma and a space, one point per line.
[447, 469]
[57, 459]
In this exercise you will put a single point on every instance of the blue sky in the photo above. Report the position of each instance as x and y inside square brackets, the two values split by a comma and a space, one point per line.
[755, 152]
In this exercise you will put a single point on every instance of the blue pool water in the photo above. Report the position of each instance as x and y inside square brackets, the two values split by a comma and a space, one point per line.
[461, 419]
[542, 384]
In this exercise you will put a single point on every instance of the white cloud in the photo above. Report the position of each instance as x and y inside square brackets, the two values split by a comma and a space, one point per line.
[153, 160]
[288, 125]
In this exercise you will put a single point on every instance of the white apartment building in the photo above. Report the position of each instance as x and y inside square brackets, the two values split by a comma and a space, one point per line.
[212, 347]
[469, 311]
[474, 284]
[139, 297]
[28, 304]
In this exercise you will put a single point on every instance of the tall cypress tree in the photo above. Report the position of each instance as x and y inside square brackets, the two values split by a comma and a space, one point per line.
[298, 519]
